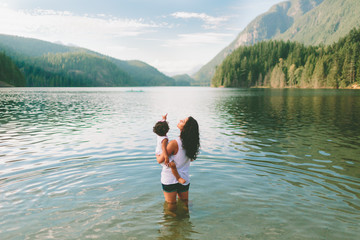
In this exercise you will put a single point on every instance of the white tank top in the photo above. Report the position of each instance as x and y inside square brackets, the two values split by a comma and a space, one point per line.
[159, 139]
[182, 164]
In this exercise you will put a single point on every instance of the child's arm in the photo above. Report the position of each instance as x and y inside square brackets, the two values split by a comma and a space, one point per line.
[164, 151]
[176, 173]
[164, 155]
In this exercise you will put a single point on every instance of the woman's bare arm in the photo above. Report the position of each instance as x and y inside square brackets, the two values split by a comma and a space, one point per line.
[172, 148]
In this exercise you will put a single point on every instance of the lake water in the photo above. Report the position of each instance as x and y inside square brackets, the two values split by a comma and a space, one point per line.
[78, 163]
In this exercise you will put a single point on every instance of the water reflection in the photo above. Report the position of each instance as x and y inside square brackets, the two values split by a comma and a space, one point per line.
[176, 222]
[79, 163]
[301, 125]
[310, 138]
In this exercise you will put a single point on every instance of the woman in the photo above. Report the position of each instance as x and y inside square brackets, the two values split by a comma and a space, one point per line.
[183, 150]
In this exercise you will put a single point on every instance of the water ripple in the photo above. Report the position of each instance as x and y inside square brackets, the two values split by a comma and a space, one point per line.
[79, 163]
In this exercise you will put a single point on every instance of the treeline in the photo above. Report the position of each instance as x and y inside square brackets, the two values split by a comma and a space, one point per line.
[280, 64]
[10, 74]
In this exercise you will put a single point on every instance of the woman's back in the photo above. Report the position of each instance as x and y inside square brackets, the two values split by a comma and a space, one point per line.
[182, 164]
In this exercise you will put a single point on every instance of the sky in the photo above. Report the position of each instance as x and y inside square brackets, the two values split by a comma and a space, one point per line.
[175, 36]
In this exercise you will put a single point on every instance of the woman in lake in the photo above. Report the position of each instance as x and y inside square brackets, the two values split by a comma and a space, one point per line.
[182, 151]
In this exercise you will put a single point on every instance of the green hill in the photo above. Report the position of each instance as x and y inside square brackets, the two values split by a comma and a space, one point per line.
[306, 21]
[46, 64]
[73, 69]
[143, 74]
[31, 47]
[183, 80]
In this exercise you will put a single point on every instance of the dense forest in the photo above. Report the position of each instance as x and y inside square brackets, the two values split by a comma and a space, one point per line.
[10, 74]
[84, 69]
[280, 64]
[72, 69]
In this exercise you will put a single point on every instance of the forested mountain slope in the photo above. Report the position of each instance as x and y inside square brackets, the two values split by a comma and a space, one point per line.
[325, 24]
[307, 21]
[280, 64]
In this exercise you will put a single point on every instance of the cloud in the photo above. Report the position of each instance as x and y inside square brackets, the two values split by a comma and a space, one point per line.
[199, 39]
[55, 25]
[174, 66]
[210, 22]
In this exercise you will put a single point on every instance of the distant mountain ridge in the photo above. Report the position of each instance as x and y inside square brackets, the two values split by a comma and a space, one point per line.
[144, 74]
[50, 64]
[329, 22]
[32, 47]
[306, 21]
[183, 80]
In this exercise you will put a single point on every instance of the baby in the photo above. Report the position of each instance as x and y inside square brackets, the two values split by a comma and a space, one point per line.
[161, 128]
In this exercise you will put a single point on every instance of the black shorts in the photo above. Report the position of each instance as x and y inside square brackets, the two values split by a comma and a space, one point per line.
[177, 187]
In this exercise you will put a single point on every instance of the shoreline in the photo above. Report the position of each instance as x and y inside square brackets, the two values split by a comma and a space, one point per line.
[353, 86]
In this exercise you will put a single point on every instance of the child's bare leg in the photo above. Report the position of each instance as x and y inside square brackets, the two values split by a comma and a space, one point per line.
[176, 173]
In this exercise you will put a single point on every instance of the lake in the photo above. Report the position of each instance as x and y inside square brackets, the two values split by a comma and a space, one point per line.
[78, 163]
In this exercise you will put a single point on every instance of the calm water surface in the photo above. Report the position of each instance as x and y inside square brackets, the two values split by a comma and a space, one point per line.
[78, 163]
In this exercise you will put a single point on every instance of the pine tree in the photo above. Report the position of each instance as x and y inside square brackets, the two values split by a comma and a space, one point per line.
[333, 76]
[291, 75]
[319, 74]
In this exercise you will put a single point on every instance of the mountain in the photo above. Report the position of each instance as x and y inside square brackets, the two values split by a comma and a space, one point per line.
[306, 21]
[50, 64]
[183, 80]
[280, 64]
[325, 24]
[144, 74]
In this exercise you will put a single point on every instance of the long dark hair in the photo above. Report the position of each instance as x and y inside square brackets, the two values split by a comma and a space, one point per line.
[190, 138]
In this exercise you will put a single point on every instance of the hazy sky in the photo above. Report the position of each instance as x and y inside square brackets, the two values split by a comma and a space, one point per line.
[175, 36]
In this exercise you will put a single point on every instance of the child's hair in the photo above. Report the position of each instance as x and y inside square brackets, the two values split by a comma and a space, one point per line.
[161, 128]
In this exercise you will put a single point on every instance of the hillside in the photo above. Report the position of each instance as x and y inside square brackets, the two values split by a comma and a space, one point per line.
[183, 80]
[330, 21]
[280, 64]
[143, 74]
[31, 47]
[72, 69]
[49, 64]
[10, 75]
[306, 21]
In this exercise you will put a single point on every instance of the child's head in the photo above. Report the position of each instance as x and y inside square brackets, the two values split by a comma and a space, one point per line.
[161, 128]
